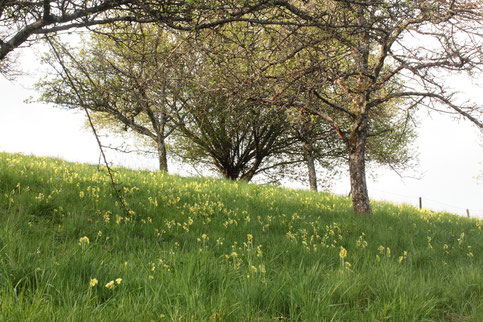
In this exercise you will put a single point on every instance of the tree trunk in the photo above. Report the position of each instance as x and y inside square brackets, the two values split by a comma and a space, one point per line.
[227, 172]
[162, 155]
[160, 126]
[357, 170]
[310, 166]
[248, 176]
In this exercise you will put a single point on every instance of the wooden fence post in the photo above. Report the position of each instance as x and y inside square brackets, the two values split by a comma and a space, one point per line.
[420, 203]
[468, 213]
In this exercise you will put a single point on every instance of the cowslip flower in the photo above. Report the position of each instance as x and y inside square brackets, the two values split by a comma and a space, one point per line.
[259, 251]
[84, 240]
[110, 285]
[93, 282]
[118, 281]
[342, 253]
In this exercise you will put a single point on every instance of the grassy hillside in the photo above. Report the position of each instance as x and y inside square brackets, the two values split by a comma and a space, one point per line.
[201, 249]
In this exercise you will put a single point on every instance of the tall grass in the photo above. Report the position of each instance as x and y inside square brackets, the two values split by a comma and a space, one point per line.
[201, 249]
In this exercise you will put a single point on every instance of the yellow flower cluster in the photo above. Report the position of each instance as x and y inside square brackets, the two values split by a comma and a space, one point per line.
[84, 240]
[342, 253]
[112, 284]
[93, 282]
[403, 257]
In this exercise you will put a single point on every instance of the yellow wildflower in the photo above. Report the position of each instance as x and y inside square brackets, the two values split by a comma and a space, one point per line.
[118, 281]
[342, 253]
[93, 282]
[110, 285]
[259, 251]
[84, 240]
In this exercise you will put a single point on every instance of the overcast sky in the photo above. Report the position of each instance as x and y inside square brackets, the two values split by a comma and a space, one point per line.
[450, 152]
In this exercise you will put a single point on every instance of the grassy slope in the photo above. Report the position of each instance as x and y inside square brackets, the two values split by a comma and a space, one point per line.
[210, 249]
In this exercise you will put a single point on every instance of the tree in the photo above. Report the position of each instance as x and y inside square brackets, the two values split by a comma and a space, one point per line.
[316, 143]
[127, 75]
[240, 140]
[219, 125]
[389, 141]
[366, 59]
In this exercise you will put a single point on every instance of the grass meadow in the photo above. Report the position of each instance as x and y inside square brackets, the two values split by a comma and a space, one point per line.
[194, 249]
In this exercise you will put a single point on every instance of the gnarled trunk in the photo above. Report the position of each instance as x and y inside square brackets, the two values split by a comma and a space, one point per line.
[357, 171]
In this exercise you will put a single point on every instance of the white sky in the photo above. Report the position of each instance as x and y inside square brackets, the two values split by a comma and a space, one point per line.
[451, 153]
